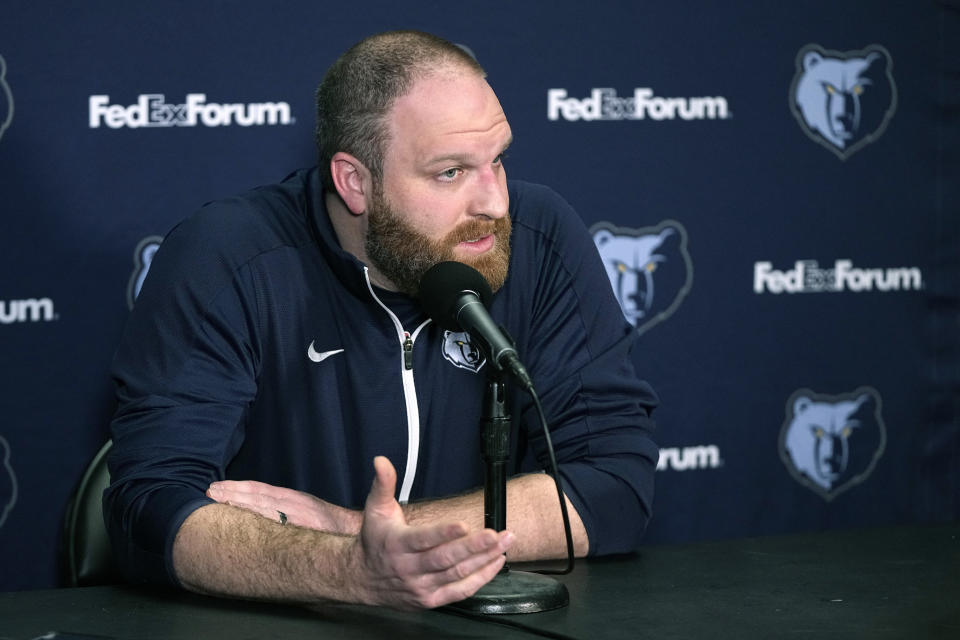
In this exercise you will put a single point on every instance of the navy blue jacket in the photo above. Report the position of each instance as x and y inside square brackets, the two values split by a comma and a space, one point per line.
[220, 374]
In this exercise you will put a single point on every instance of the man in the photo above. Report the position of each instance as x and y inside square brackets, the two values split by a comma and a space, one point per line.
[278, 341]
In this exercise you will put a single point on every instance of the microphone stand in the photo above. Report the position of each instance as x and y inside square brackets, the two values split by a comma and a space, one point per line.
[509, 591]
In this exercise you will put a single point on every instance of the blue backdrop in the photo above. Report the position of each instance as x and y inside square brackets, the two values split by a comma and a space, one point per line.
[773, 187]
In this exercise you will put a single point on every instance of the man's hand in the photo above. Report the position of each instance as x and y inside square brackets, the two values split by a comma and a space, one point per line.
[532, 513]
[420, 566]
[235, 552]
[300, 508]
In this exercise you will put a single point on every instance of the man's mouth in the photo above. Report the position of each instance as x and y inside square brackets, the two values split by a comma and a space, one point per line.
[478, 245]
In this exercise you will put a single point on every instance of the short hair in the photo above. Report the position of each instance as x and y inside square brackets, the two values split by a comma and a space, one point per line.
[361, 86]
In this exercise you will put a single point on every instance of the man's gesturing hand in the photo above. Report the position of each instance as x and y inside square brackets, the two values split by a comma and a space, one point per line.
[431, 565]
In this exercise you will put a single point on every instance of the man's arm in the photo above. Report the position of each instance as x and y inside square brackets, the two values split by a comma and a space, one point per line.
[223, 550]
[533, 513]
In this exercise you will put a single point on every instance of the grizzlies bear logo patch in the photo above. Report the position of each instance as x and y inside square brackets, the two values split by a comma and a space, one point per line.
[649, 269]
[8, 482]
[6, 99]
[142, 257]
[843, 101]
[458, 349]
[831, 443]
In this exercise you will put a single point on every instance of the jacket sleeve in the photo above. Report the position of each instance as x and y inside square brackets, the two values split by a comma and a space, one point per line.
[579, 351]
[184, 372]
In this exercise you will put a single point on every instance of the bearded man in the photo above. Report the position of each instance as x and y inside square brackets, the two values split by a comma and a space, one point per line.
[277, 363]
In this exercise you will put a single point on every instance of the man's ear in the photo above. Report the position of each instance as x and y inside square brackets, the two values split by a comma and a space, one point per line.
[352, 181]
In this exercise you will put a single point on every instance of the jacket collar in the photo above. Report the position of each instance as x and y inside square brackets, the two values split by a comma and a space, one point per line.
[347, 267]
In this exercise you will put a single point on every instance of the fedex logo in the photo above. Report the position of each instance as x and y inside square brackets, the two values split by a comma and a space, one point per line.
[153, 110]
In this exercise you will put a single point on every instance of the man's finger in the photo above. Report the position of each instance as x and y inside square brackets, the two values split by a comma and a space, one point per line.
[466, 587]
[236, 494]
[458, 562]
[424, 537]
[254, 501]
[381, 497]
[243, 486]
[246, 493]
[267, 500]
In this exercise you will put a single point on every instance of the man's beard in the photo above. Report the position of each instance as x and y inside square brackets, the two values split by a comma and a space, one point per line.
[403, 255]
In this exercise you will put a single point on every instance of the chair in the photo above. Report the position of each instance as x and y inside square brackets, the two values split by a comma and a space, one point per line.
[85, 556]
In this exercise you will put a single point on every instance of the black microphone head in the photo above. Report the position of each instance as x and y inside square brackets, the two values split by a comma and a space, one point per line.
[443, 283]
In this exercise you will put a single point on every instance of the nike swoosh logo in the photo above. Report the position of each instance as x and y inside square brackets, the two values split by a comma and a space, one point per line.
[316, 356]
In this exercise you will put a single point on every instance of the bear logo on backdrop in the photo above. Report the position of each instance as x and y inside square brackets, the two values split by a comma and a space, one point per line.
[8, 482]
[649, 269]
[458, 350]
[830, 443]
[6, 99]
[142, 257]
[843, 101]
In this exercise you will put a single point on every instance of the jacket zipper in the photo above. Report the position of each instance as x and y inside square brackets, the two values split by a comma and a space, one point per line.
[409, 394]
[407, 351]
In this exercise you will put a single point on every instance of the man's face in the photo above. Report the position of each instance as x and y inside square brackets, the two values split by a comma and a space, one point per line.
[444, 191]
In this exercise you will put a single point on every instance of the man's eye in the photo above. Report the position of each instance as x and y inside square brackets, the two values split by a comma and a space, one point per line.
[450, 174]
[500, 158]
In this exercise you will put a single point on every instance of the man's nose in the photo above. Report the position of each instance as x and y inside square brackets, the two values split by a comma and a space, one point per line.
[490, 197]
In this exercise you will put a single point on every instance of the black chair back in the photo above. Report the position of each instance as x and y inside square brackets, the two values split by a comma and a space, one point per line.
[85, 555]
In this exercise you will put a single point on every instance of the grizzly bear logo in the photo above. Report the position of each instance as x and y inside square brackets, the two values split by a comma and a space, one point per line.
[830, 443]
[6, 99]
[649, 269]
[460, 351]
[142, 258]
[843, 100]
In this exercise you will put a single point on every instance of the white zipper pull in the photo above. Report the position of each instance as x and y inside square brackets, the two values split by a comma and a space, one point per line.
[407, 351]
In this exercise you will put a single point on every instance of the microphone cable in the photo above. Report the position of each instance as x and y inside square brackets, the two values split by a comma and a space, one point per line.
[555, 474]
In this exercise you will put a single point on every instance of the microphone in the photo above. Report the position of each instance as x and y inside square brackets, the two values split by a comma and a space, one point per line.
[456, 296]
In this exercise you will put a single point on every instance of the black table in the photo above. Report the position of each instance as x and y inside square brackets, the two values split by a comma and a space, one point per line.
[885, 583]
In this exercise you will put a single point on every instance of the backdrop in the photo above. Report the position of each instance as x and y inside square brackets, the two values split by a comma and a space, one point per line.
[772, 186]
